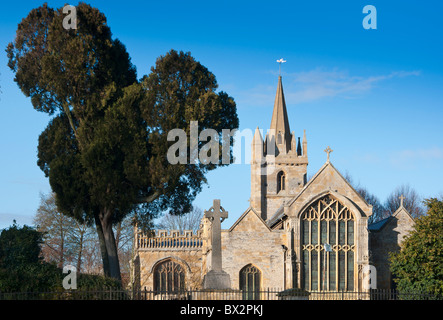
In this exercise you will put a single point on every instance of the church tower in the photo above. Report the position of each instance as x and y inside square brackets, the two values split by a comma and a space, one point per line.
[278, 163]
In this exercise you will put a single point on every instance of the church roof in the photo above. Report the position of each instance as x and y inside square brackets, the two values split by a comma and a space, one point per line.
[247, 211]
[279, 214]
[377, 226]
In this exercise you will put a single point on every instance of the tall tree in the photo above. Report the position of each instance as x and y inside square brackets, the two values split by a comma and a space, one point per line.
[105, 149]
[54, 226]
[74, 73]
[65, 239]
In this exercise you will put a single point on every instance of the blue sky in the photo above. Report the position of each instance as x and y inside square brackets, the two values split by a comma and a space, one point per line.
[374, 96]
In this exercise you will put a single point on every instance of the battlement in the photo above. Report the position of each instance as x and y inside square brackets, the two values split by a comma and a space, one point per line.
[173, 239]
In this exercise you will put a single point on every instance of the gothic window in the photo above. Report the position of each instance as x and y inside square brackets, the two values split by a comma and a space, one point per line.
[280, 181]
[169, 277]
[250, 282]
[327, 221]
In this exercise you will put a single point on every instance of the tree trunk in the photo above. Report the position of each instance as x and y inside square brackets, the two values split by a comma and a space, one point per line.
[80, 251]
[62, 247]
[111, 248]
[103, 250]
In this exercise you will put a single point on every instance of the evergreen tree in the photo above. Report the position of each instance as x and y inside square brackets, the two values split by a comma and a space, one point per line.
[419, 264]
[104, 150]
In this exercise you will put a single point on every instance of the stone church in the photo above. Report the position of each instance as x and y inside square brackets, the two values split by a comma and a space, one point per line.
[296, 233]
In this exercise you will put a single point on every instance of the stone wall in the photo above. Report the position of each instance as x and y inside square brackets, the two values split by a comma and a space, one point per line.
[252, 242]
[183, 248]
[388, 240]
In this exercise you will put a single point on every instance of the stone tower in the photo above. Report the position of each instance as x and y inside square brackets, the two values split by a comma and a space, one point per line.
[278, 162]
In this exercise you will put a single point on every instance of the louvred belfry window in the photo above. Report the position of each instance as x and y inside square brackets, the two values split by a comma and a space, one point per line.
[327, 221]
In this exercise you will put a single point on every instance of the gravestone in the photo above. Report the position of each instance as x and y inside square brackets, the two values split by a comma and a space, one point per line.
[216, 278]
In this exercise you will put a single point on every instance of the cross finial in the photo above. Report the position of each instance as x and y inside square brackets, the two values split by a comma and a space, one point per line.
[402, 197]
[280, 61]
[328, 150]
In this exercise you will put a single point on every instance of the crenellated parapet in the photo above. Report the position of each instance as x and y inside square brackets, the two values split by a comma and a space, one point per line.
[168, 240]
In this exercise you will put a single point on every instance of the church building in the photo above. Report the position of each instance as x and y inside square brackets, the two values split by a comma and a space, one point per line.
[296, 233]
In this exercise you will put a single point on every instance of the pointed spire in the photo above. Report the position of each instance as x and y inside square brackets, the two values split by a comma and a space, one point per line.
[305, 144]
[279, 121]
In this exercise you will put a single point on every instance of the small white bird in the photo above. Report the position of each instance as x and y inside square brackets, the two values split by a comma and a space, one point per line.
[281, 61]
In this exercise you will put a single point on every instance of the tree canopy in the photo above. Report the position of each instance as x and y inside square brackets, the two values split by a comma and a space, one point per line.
[21, 267]
[419, 264]
[104, 150]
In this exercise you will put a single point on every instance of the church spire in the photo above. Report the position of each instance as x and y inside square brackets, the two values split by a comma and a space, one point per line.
[279, 122]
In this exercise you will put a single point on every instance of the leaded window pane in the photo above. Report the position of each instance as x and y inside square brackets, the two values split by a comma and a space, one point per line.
[257, 282]
[341, 232]
[314, 234]
[322, 275]
[157, 280]
[332, 234]
[169, 281]
[163, 282]
[332, 272]
[350, 270]
[314, 270]
[323, 232]
[306, 269]
[350, 232]
[341, 270]
[305, 232]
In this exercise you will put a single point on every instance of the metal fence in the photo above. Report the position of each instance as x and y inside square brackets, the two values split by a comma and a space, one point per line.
[267, 294]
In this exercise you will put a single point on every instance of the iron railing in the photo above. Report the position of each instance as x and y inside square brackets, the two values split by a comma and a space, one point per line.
[200, 294]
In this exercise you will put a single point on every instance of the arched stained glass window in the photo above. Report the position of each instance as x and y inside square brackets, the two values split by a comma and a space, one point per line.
[250, 282]
[169, 277]
[327, 221]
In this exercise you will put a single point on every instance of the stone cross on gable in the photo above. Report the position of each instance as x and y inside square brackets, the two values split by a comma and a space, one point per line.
[215, 213]
[402, 197]
[328, 150]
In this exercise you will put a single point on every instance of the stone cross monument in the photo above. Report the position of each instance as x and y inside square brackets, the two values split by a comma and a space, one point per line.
[216, 278]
